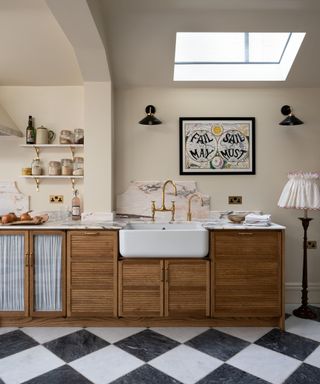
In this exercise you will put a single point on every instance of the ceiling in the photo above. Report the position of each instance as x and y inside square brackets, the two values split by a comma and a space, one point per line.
[140, 39]
[34, 49]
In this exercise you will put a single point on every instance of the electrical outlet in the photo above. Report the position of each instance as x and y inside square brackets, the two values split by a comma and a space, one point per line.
[312, 245]
[56, 199]
[235, 199]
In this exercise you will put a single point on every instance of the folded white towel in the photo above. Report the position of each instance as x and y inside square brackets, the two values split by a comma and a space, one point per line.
[262, 224]
[253, 219]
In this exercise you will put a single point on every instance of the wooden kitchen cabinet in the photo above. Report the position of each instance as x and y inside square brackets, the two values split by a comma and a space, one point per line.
[92, 273]
[32, 273]
[247, 273]
[157, 287]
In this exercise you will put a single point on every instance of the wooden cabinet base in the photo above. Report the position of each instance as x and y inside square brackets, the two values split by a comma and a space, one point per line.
[143, 322]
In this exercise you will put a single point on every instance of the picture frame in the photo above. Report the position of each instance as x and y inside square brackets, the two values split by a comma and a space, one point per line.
[217, 145]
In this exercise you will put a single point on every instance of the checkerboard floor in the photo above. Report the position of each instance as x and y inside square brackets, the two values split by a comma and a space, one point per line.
[162, 355]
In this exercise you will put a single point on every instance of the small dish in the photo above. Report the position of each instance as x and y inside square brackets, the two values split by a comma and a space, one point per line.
[236, 218]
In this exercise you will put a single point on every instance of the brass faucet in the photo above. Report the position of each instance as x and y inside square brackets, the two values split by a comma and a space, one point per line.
[189, 216]
[163, 207]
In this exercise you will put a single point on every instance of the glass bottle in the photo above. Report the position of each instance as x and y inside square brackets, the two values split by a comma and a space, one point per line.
[30, 132]
[75, 206]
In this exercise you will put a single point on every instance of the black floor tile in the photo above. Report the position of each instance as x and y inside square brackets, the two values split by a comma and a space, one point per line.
[316, 310]
[288, 343]
[305, 374]
[61, 375]
[217, 344]
[15, 341]
[146, 375]
[75, 345]
[146, 345]
[226, 374]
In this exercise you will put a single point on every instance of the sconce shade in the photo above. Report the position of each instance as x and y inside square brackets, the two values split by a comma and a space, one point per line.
[301, 191]
[290, 119]
[150, 119]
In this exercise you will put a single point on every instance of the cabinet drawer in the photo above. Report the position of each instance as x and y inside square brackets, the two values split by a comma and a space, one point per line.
[95, 245]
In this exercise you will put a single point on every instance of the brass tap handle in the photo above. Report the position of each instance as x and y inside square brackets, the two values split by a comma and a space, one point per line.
[173, 210]
[153, 209]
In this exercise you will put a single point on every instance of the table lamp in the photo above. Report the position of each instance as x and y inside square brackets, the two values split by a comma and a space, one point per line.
[302, 192]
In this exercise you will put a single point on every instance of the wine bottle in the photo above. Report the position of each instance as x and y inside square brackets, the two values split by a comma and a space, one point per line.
[75, 206]
[30, 132]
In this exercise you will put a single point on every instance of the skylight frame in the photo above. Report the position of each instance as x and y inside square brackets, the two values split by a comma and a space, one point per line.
[245, 70]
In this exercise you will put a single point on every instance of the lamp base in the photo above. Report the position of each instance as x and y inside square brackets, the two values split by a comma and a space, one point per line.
[304, 312]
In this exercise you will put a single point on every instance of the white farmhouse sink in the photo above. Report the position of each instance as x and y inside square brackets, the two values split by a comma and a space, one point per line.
[164, 240]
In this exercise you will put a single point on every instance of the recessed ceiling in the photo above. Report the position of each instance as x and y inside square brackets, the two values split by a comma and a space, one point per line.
[34, 49]
[141, 34]
[140, 37]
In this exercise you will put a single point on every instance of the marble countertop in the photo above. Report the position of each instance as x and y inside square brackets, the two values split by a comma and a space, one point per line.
[119, 224]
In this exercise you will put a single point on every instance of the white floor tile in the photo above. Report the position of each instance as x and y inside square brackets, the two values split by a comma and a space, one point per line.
[181, 334]
[264, 363]
[7, 329]
[185, 364]
[250, 334]
[44, 334]
[28, 364]
[114, 334]
[106, 365]
[314, 358]
[303, 327]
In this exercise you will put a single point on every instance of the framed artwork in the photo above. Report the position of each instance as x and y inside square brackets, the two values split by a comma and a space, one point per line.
[217, 145]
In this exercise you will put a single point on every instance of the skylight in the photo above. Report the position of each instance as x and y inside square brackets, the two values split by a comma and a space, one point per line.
[240, 56]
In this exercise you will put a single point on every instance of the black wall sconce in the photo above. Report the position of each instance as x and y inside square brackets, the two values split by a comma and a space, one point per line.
[150, 119]
[290, 119]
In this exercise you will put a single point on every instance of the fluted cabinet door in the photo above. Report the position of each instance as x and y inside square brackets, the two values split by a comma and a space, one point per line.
[47, 272]
[92, 273]
[14, 259]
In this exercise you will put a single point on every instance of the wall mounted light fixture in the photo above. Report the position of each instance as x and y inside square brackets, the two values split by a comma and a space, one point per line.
[150, 119]
[290, 119]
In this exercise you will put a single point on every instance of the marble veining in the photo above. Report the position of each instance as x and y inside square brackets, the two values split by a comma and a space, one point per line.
[137, 199]
[218, 344]
[11, 199]
[64, 374]
[147, 345]
[75, 345]
[226, 374]
[14, 342]
[146, 375]
[288, 344]
[305, 374]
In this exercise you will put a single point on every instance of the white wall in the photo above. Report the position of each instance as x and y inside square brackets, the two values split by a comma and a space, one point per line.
[56, 108]
[152, 153]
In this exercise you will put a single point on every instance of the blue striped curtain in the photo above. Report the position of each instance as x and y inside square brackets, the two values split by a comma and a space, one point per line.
[48, 270]
[11, 272]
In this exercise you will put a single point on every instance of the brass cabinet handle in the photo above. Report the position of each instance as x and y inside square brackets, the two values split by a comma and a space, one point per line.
[31, 259]
[26, 259]
[92, 233]
[161, 274]
[166, 275]
[245, 233]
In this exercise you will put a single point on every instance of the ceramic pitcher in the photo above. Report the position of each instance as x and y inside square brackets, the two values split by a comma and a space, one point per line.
[44, 135]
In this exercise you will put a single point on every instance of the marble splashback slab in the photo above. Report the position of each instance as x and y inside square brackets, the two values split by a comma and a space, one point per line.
[11, 199]
[136, 200]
